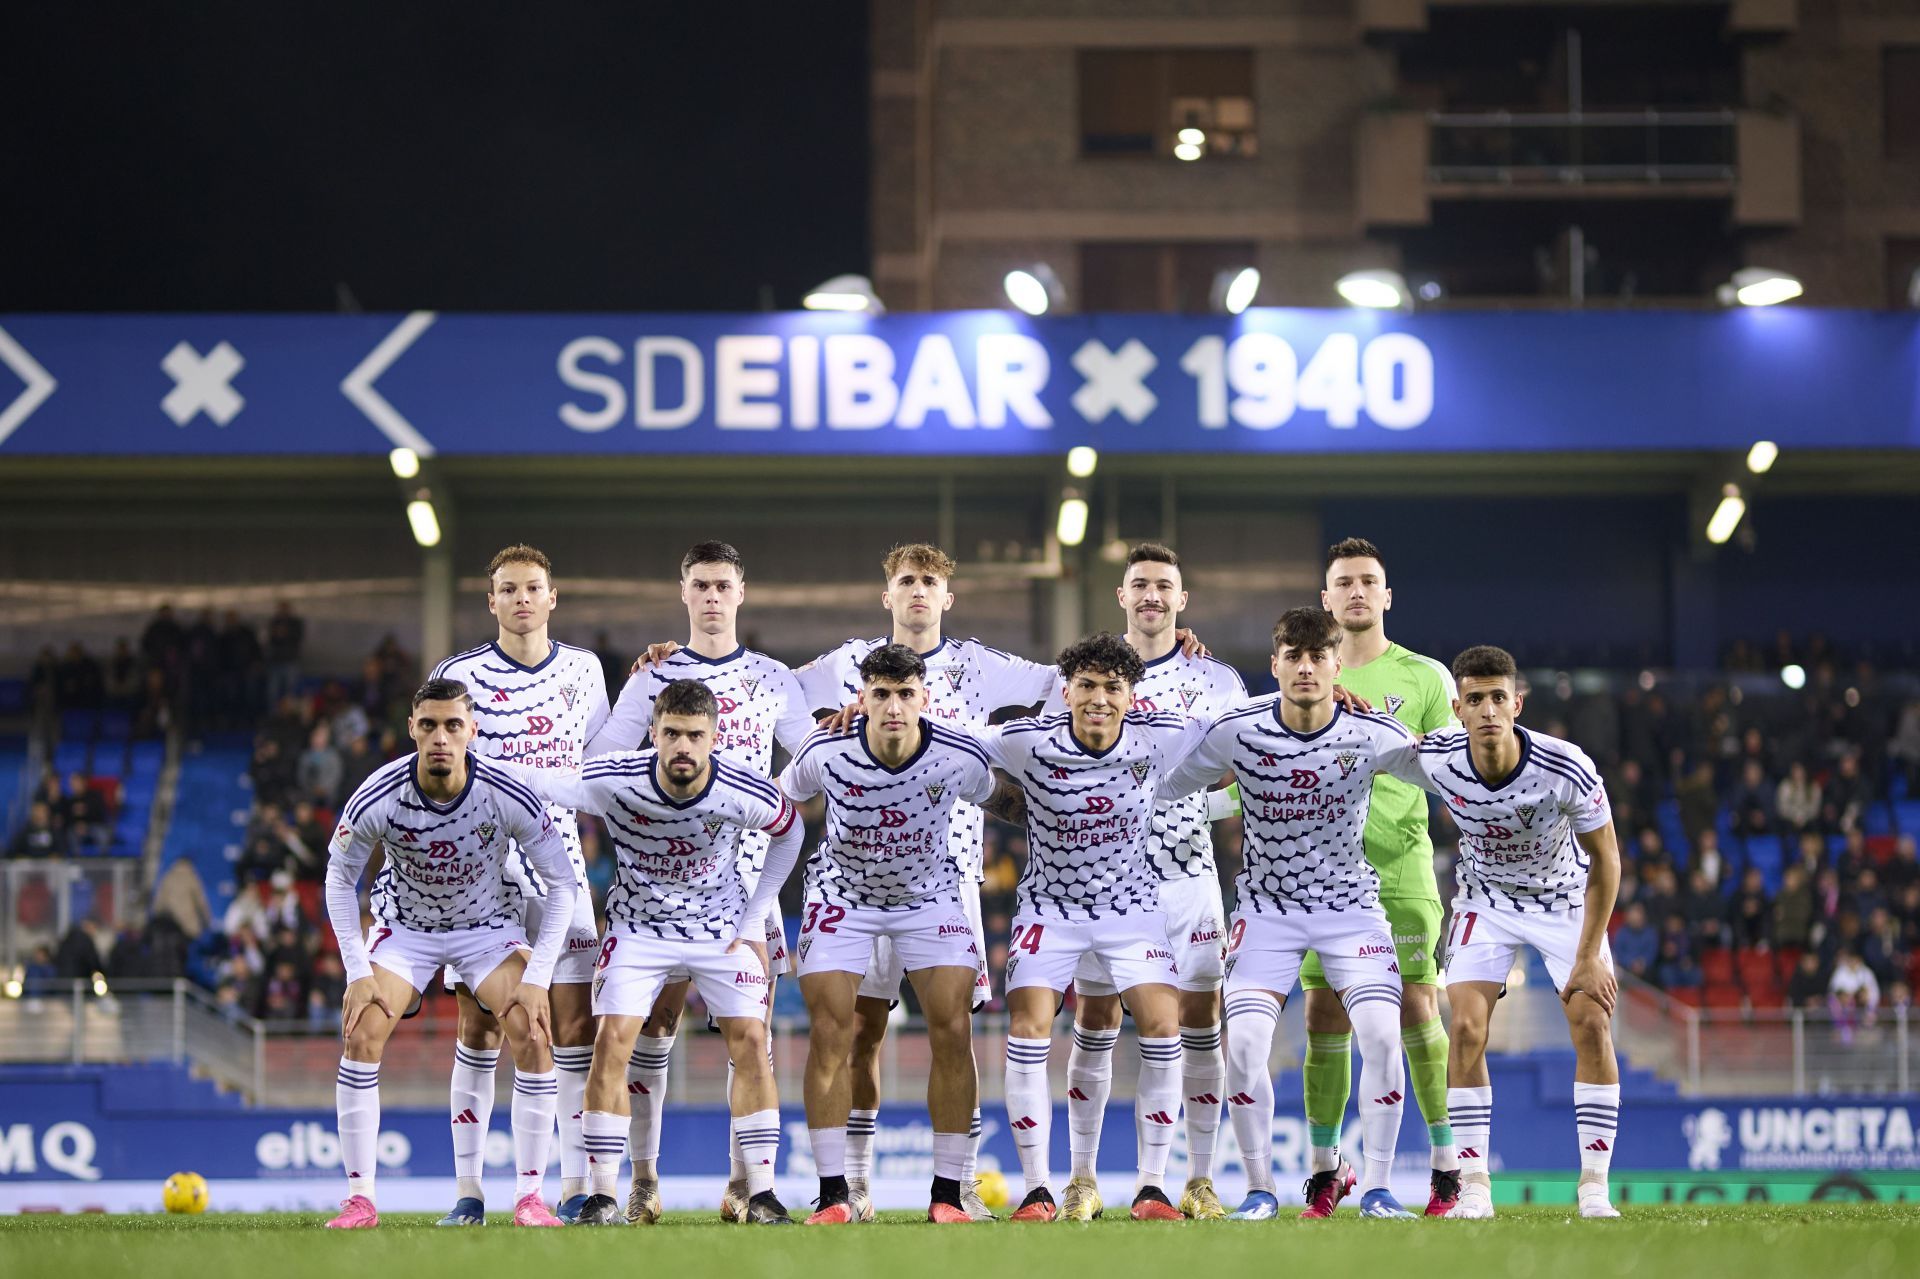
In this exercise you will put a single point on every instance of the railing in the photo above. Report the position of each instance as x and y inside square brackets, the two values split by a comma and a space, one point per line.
[1568, 149]
[41, 898]
[129, 1021]
[1742, 1052]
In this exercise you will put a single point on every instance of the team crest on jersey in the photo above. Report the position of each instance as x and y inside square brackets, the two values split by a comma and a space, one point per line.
[935, 791]
[568, 692]
[1526, 812]
[1347, 761]
[713, 825]
[485, 832]
[1394, 703]
[1139, 769]
[749, 683]
[954, 675]
[1188, 696]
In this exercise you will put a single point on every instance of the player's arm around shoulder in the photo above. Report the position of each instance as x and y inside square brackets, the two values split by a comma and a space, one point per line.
[625, 727]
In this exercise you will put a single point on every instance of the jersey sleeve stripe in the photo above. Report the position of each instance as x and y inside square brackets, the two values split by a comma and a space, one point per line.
[509, 786]
[750, 783]
[1566, 761]
[376, 788]
[820, 737]
[1582, 781]
[959, 741]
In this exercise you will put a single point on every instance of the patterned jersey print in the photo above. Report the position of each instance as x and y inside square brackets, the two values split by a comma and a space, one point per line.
[760, 704]
[1089, 815]
[887, 844]
[537, 717]
[1517, 846]
[679, 874]
[1304, 799]
[967, 681]
[443, 861]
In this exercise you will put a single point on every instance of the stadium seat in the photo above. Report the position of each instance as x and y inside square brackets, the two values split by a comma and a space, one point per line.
[1756, 967]
[1688, 995]
[1788, 958]
[34, 908]
[1723, 996]
[1767, 997]
[1716, 962]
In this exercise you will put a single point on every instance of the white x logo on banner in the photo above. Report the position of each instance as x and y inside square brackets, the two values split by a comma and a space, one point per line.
[1115, 381]
[201, 384]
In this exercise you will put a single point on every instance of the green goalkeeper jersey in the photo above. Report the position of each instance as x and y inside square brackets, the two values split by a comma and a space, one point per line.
[1418, 692]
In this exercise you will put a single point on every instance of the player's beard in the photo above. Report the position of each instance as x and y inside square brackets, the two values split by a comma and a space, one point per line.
[1362, 627]
[682, 770]
[439, 770]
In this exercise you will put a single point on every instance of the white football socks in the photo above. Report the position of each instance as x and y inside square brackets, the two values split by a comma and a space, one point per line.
[1251, 1018]
[471, 1108]
[1089, 1085]
[1030, 1108]
[356, 1102]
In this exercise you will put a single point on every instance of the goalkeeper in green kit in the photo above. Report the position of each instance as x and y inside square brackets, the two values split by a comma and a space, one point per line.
[1419, 692]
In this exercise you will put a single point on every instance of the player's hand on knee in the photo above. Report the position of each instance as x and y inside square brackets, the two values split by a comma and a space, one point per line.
[1595, 980]
[534, 1002]
[360, 996]
[654, 656]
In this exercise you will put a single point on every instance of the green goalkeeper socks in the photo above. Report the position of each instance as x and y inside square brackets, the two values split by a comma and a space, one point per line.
[1328, 1078]
[1426, 1046]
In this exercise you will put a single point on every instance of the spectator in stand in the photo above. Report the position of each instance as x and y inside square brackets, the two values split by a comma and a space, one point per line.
[1749, 919]
[81, 684]
[283, 998]
[286, 635]
[40, 837]
[1674, 930]
[1797, 800]
[1853, 994]
[1707, 859]
[1845, 796]
[163, 642]
[242, 672]
[1699, 802]
[1636, 946]
[272, 771]
[1906, 912]
[325, 989]
[1903, 750]
[1706, 911]
[43, 700]
[123, 677]
[39, 974]
[1793, 910]
[81, 952]
[1660, 892]
[1807, 987]
[1867, 896]
[182, 897]
[203, 674]
[321, 768]
[1751, 800]
[1650, 850]
[1826, 896]
[157, 714]
[1884, 949]
[85, 814]
[1677, 970]
[1811, 853]
[1901, 869]
[247, 912]
[358, 761]
[280, 906]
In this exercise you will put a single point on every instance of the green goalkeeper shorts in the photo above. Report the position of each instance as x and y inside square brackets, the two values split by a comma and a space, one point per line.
[1416, 936]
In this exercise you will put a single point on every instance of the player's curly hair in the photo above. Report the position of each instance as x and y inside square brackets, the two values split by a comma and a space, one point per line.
[894, 662]
[442, 690]
[1105, 653]
[686, 697]
[1309, 629]
[922, 555]
[712, 553]
[519, 553]
[1484, 661]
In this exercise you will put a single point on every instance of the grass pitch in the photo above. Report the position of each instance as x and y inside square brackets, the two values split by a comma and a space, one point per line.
[1858, 1241]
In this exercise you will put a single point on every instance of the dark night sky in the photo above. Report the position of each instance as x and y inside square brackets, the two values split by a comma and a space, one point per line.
[558, 156]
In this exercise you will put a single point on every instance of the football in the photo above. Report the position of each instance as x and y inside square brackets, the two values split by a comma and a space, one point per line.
[993, 1189]
[184, 1192]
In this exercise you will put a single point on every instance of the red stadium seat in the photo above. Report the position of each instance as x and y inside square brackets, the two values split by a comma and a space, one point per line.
[1756, 967]
[1717, 963]
[108, 789]
[1771, 996]
[1688, 995]
[1724, 995]
[1789, 957]
[34, 906]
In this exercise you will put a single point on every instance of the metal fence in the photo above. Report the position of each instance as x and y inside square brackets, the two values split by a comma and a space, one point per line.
[41, 898]
[1573, 148]
[1774, 1051]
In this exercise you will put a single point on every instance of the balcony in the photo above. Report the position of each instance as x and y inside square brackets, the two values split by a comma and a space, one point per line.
[1408, 159]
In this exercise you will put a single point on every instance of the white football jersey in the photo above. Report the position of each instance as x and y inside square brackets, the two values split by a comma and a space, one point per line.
[967, 681]
[537, 717]
[1304, 799]
[1517, 846]
[887, 844]
[443, 861]
[1088, 815]
[679, 874]
[760, 703]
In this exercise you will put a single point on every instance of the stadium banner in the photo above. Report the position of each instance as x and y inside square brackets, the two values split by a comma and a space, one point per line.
[73, 1132]
[956, 383]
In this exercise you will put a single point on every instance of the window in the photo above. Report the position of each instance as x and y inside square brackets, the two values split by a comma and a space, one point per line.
[1136, 103]
[1900, 102]
[1155, 277]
